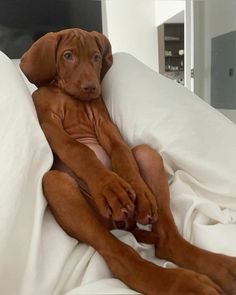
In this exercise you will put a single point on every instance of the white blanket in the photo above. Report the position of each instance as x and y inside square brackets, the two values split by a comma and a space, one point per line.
[198, 146]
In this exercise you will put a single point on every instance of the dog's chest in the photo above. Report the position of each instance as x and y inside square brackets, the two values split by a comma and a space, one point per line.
[79, 123]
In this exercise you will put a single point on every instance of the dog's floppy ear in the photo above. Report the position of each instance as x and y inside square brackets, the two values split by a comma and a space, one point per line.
[105, 49]
[39, 62]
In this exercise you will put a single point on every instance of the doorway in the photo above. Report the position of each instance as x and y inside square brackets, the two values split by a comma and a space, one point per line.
[175, 42]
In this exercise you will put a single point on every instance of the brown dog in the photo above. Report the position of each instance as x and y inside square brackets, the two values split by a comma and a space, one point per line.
[98, 182]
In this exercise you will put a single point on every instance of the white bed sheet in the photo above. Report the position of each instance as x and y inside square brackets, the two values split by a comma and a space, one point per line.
[37, 257]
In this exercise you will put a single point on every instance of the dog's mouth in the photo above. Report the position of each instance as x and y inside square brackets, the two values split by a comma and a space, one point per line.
[87, 96]
[83, 95]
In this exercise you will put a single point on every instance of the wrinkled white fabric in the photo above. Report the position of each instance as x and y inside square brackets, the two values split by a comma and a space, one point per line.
[196, 142]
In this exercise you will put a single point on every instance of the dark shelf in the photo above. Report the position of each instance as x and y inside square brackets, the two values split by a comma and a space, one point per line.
[171, 41]
[174, 41]
[174, 71]
[175, 56]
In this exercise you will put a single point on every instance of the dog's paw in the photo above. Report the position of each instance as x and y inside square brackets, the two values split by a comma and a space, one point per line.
[146, 210]
[222, 269]
[188, 282]
[114, 197]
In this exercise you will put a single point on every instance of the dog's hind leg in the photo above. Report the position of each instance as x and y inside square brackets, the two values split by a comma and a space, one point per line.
[168, 242]
[77, 218]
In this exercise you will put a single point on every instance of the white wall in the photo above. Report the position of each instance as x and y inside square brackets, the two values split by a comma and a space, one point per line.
[166, 9]
[212, 18]
[130, 26]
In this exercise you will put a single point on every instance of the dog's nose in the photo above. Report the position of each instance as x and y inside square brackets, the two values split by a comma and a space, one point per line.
[88, 87]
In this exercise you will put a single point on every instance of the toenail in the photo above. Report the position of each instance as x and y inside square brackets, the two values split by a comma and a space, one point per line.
[130, 207]
[124, 210]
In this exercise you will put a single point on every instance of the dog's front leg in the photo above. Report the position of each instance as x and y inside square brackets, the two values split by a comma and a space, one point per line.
[124, 164]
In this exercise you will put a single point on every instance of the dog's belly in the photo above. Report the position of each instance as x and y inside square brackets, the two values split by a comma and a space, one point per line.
[101, 154]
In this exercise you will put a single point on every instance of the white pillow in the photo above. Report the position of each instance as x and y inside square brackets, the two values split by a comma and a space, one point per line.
[190, 134]
[197, 143]
[24, 157]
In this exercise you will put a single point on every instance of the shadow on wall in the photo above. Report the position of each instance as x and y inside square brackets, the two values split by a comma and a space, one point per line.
[24, 21]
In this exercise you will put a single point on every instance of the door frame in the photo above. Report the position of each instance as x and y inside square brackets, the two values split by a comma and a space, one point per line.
[189, 45]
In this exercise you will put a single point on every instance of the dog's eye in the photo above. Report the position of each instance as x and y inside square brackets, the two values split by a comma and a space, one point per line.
[68, 55]
[97, 58]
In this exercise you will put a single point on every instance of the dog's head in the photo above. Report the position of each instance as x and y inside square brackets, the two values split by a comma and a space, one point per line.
[74, 60]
